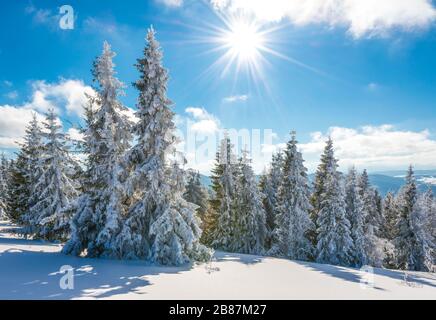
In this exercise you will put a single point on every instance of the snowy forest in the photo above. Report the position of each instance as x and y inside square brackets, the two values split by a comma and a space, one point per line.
[132, 197]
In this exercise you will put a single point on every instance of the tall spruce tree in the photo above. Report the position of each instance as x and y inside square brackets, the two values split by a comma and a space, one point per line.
[100, 208]
[49, 218]
[319, 188]
[176, 230]
[425, 250]
[356, 215]
[371, 202]
[196, 193]
[390, 216]
[269, 185]
[334, 242]
[405, 241]
[25, 173]
[293, 222]
[373, 221]
[249, 225]
[157, 213]
[4, 178]
[224, 193]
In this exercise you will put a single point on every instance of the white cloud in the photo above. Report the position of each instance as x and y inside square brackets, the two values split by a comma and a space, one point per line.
[197, 113]
[7, 83]
[374, 148]
[105, 26]
[68, 93]
[205, 126]
[202, 137]
[171, 3]
[360, 17]
[372, 86]
[13, 122]
[12, 95]
[428, 180]
[75, 134]
[202, 121]
[241, 97]
[42, 16]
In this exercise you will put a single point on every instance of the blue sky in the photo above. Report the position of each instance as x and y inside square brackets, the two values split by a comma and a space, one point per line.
[369, 83]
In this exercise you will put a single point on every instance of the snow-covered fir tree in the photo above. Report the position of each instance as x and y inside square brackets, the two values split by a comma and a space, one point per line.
[25, 173]
[371, 203]
[49, 217]
[100, 207]
[425, 251]
[334, 242]
[249, 225]
[223, 199]
[4, 187]
[373, 221]
[406, 241]
[196, 193]
[390, 216]
[176, 230]
[293, 222]
[319, 188]
[157, 205]
[269, 185]
[356, 215]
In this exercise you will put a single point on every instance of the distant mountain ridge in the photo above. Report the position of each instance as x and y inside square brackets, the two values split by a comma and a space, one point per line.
[384, 181]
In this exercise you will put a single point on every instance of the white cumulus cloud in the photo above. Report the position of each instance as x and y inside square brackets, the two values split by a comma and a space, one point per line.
[202, 121]
[374, 148]
[67, 95]
[171, 3]
[13, 122]
[240, 97]
[360, 17]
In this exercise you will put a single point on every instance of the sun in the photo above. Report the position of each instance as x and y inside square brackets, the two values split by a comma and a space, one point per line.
[243, 41]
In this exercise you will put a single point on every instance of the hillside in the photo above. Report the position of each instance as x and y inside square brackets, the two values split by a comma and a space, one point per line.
[30, 270]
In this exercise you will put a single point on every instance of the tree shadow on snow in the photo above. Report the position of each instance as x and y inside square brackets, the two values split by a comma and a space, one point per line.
[24, 242]
[355, 275]
[420, 278]
[36, 275]
[221, 256]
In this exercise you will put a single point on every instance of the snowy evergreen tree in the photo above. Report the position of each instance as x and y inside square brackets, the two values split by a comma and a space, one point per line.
[224, 187]
[425, 251]
[176, 230]
[373, 221]
[269, 185]
[4, 168]
[293, 206]
[406, 241]
[249, 226]
[25, 173]
[335, 244]
[48, 217]
[356, 215]
[101, 207]
[390, 216]
[390, 212]
[159, 219]
[196, 193]
[371, 202]
[319, 188]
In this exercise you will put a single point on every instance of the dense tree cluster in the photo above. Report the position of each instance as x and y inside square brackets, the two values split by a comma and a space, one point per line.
[132, 199]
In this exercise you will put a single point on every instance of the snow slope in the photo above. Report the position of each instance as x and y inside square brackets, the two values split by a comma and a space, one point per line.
[30, 270]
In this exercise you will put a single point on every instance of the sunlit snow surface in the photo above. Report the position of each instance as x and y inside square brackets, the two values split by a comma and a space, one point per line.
[30, 270]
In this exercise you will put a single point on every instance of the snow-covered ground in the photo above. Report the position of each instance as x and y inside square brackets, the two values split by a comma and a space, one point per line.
[30, 270]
